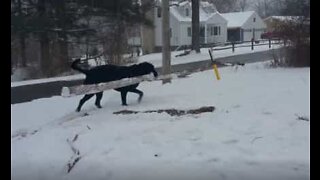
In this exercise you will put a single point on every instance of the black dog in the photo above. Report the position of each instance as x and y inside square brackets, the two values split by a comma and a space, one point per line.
[107, 73]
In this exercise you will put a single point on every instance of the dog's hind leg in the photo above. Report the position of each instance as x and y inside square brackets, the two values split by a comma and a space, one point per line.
[124, 98]
[137, 92]
[98, 99]
[83, 100]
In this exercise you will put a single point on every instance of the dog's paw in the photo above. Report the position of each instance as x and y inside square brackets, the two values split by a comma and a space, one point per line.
[99, 106]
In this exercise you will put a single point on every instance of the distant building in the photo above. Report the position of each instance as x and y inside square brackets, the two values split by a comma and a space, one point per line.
[243, 26]
[213, 27]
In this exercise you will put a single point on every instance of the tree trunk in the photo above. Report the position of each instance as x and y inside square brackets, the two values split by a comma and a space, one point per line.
[63, 53]
[23, 56]
[22, 40]
[62, 61]
[166, 67]
[148, 33]
[195, 26]
[11, 67]
[45, 59]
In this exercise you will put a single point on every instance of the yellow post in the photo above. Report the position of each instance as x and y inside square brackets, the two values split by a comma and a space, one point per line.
[215, 68]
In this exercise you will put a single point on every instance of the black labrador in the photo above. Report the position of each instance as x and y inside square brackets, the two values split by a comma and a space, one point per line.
[107, 73]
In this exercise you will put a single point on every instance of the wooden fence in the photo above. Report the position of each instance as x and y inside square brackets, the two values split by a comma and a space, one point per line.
[234, 45]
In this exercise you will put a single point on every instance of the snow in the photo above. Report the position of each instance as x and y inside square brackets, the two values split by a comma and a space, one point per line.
[156, 59]
[285, 18]
[253, 133]
[43, 80]
[237, 19]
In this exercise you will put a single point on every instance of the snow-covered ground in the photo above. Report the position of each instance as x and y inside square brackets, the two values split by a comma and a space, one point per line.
[254, 132]
[156, 60]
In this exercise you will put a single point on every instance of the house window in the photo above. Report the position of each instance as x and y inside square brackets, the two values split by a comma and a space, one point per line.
[215, 30]
[187, 12]
[189, 32]
[254, 19]
[159, 12]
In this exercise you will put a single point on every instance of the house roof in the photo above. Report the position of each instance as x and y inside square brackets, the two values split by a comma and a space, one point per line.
[237, 19]
[175, 12]
[203, 14]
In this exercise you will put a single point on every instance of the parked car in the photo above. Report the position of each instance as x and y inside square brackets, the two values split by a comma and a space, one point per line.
[269, 35]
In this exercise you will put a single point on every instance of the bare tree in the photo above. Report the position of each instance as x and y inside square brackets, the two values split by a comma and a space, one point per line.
[19, 17]
[225, 6]
[296, 32]
[296, 8]
[267, 8]
[243, 4]
[45, 57]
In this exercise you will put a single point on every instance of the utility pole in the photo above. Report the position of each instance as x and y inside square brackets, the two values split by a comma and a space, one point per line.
[195, 26]
[166, 34]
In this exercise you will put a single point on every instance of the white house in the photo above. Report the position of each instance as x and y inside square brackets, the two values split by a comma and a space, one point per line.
[243, 26]
[213, 27]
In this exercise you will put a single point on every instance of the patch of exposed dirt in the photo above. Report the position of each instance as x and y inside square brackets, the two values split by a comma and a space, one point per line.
[171, 112]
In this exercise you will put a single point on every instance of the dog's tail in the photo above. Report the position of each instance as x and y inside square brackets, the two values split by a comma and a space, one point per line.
[75, 66]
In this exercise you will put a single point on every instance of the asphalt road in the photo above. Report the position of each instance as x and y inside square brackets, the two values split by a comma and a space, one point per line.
[27, 93]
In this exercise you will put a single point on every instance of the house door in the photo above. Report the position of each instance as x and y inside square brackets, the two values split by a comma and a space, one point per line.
[234, 35]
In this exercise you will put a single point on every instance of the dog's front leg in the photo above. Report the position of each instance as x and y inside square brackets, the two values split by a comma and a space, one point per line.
[124, 98]
[83, 100]
[98, 99]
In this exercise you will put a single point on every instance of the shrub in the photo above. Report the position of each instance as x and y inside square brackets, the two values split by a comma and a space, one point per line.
[295, 33]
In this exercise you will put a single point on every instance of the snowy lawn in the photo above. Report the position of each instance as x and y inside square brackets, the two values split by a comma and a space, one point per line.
[254, 132]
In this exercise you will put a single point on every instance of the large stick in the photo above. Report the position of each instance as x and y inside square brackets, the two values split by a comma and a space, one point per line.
[95, 88]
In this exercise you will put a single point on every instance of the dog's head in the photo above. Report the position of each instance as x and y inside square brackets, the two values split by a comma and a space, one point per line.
[143, 69]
